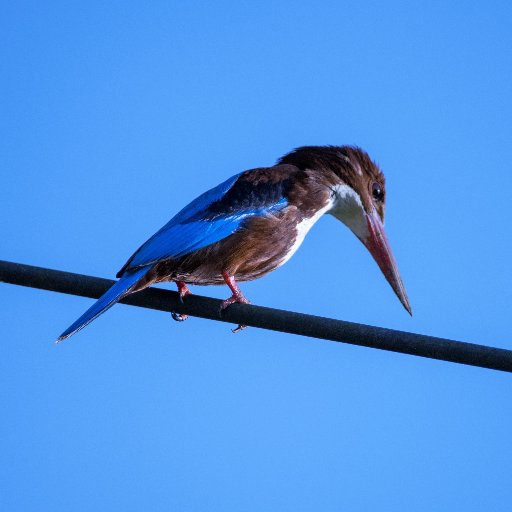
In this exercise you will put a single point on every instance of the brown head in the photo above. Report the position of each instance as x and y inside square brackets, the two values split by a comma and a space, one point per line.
[358, 195]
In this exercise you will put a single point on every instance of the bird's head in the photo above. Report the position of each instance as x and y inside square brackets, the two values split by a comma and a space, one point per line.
[358, 199]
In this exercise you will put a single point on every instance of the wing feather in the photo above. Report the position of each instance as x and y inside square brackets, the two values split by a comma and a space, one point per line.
[211, 217]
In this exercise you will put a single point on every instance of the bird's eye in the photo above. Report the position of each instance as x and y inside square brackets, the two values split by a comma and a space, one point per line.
[377, 191]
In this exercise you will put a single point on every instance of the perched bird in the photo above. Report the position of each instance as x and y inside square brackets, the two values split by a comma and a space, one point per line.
[254, 222]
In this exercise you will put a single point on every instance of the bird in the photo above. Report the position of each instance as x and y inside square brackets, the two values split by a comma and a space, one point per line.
[254, 222]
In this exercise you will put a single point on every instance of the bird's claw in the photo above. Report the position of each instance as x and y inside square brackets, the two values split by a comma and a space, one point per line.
[183, 291]
[235, 298]
[178, 317]
[240, 299]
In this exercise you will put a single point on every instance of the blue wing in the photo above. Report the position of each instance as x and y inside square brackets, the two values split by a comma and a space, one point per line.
[211, 217]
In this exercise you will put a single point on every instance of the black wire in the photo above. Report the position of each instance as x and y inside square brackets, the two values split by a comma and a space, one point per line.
[265, 318]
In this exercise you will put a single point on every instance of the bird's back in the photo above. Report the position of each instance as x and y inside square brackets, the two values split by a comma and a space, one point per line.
[246, 227]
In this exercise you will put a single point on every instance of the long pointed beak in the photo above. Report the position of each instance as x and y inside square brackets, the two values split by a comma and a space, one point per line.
[378, 245]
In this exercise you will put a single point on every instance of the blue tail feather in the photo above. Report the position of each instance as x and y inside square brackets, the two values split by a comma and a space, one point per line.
[106, 301]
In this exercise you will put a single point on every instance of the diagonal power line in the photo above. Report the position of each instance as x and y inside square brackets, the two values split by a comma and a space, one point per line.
[266, 318]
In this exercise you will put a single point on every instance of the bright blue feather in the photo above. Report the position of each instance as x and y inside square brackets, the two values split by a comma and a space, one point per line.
[195, 227]
[106, 301]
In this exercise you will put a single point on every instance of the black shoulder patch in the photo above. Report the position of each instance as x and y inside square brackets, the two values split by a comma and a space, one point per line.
[254, 189]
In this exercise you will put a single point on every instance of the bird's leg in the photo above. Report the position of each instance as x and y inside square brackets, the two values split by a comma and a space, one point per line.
[183, 291]
[237, 296]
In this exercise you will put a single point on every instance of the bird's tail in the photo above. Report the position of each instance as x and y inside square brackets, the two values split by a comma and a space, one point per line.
[106, 301]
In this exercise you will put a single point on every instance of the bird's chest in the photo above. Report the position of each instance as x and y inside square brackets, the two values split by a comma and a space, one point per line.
[301, 229]
[269, 243]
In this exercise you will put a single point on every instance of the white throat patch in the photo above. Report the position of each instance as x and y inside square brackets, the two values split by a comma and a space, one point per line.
[348, 207]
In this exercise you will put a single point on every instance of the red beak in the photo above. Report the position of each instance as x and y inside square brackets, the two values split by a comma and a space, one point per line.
[377, 244]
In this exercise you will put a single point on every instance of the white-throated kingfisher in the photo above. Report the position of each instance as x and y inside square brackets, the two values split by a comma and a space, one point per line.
[254, 222]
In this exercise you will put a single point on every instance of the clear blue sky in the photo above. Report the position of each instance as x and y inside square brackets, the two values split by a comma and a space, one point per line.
[115, 115]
